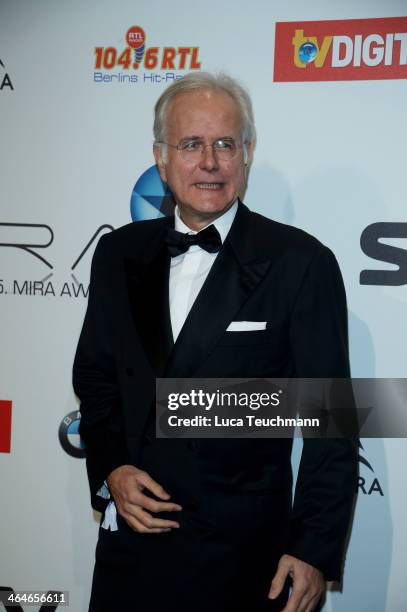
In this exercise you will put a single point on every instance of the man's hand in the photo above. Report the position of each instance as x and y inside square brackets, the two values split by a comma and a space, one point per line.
[126, 484]
[308, 584]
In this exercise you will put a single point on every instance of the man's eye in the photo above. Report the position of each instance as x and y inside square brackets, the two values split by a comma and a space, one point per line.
[224, 145]
[192, 145]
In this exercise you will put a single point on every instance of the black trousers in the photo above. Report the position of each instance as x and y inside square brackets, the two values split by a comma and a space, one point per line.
[191, 569]
[118, 591]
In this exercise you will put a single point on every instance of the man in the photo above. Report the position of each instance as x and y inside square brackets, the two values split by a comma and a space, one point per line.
[209, 524]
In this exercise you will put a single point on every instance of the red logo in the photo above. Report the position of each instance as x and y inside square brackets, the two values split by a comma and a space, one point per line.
[342, 50]
[135, 37]
[136, 55]
[5, 426]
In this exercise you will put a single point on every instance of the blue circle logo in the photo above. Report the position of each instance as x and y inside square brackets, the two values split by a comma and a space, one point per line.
[69, 437]
[151, 198]
[307, 52]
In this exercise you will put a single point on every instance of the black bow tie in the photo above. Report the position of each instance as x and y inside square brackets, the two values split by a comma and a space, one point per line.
[208, 239]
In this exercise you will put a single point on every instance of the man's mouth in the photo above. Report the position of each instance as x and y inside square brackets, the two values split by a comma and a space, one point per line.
[213, 186]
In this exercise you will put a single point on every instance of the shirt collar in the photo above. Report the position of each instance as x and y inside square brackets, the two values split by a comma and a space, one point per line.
[222, 223]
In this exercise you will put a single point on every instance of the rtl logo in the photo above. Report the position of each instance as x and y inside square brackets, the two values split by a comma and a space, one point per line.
[341, 50]
[136, 55]
[5, 426]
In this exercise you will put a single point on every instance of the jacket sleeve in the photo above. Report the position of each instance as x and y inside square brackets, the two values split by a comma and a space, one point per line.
[95, 380]
[326, 483]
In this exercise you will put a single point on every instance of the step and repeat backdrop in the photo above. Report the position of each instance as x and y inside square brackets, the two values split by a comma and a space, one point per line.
[78, 81]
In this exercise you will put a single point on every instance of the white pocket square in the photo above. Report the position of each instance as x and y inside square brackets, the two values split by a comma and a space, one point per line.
[237, 326]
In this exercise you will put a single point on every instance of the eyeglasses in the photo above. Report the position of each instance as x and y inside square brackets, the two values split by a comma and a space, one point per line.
[192, 150]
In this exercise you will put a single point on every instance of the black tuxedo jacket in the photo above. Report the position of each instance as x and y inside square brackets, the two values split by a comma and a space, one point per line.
[236, 494]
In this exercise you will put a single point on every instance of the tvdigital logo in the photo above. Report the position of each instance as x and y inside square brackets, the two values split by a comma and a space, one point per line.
[341, 50]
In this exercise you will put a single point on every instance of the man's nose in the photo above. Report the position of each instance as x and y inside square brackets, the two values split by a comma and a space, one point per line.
[208, 159]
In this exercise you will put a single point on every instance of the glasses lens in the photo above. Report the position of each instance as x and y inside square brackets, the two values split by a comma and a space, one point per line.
[191, 151]
[223, 149]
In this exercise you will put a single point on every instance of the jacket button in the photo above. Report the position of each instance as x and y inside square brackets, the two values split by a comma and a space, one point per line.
[129, 372]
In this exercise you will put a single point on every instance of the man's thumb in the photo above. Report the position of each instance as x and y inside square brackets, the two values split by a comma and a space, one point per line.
[278, 580]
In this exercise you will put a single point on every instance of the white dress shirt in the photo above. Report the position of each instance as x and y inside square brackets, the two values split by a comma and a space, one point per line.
[189, 270]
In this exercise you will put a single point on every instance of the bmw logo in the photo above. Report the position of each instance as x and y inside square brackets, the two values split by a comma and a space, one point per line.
[69, 435]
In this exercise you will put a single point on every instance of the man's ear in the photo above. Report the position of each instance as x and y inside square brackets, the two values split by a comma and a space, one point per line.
[159, 160]
[247, 153]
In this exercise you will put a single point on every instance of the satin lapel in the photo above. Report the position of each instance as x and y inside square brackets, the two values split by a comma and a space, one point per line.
[229, 283]
[147, 284]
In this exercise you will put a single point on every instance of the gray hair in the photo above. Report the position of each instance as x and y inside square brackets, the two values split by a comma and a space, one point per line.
[205, 80]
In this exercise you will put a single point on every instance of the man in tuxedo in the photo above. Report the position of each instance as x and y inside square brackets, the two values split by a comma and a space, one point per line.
[213, 291]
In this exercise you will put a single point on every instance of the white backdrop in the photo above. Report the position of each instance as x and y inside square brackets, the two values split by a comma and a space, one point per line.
[330, 159]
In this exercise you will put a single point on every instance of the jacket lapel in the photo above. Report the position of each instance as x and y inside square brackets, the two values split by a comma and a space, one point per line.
[147, 284]
[234, 275]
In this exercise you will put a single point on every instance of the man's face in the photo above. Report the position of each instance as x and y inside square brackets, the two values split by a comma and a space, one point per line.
[205, 188]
